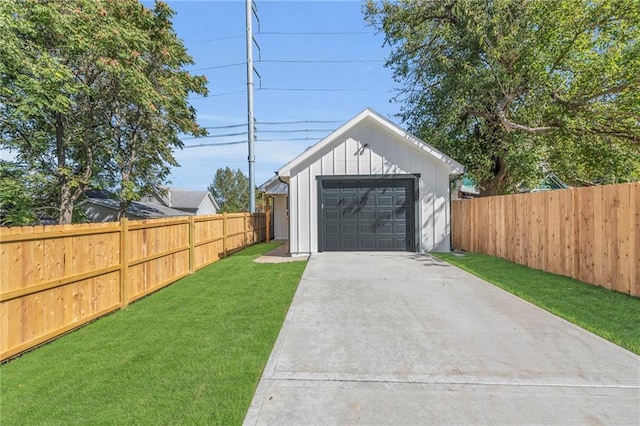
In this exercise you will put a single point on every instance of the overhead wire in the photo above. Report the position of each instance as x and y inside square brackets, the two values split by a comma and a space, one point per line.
[283, 89]
[296, 131]
[215, 67]
[269, 123]
[309, 89]
[230, 126]
[319, 61]
[201, 145]
[215, 136]
[215, 95]
[314, 33]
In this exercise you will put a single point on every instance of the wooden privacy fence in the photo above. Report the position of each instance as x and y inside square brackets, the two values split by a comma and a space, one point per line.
[56, 278]
[591, 234]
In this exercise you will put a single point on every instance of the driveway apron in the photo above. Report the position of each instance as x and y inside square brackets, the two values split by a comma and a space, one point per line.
[404, 338]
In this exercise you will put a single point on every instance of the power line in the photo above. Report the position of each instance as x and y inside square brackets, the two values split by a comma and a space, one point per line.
[215, 95]
[215, 136]
[217, 67]
[296, 131]
[304, 89]
[213, 144]
[288, 139]
[314, 33]
[345, 61]
[227, 127]
[269, 123]
[202, 145]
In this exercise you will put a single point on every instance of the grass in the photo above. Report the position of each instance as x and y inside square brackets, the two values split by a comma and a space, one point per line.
[191, 353]
[611, 315]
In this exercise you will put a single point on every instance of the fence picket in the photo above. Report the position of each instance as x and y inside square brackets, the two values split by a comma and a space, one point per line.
[56, 278]
[591, 234]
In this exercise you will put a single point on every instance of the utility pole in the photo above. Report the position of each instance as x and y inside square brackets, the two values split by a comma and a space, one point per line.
[250, 123]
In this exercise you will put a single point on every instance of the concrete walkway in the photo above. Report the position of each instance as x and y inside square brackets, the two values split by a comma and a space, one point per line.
[405, 339]
[280, 254]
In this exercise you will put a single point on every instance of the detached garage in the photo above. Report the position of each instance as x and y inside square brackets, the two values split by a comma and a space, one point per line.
[369, 185]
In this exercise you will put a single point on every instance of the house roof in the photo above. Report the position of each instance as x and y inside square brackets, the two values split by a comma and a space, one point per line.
[141, 209]
[274, 186]
[184, 199]
[455, 168]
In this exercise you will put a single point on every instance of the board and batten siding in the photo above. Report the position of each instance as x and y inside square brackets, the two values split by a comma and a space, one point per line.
[279, 217]
[369, 149]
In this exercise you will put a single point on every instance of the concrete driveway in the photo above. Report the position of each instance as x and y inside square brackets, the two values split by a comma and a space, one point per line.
[402, 338]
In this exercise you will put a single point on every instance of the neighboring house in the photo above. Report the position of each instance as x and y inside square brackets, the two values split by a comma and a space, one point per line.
[466, 187]
[101, 206]
[106, 210]
[198, 203]
[369, 185]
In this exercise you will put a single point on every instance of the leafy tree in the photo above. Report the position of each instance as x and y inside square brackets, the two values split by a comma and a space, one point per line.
[17, 198]
[508, 86]
[230, 190]
[93, 93]
[25, 195]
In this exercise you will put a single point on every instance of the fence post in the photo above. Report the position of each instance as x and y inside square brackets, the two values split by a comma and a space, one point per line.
[267, 222]
[124, 264]
[192, 244]
[246, 229]
[224, 235]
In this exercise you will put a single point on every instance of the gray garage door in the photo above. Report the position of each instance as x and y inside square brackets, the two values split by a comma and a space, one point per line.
[367, 214]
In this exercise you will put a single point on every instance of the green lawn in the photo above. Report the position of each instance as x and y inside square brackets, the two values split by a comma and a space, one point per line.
[191, 353]
[611, 315]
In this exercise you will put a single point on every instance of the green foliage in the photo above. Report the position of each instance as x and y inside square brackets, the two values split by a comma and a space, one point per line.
[507, 86]
[190, 354]
[17, 197]
[94, 93]
[613, 316]
[230, 190]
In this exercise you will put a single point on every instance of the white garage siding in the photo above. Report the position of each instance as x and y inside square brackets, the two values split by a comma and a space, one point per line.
[370, 148]
[279, 217]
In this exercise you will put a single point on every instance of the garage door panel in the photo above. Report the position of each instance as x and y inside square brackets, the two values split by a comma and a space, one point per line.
[373, 214]
[368, 215]
[332, 201]
[349, 229]
[386, 244]
[332, 228]
[331, 215]
[368, 244]
[385, 200]
[349, 244]
[401, 214]
[385, 228]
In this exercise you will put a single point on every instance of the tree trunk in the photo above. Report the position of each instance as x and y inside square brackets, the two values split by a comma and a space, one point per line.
[123, 209]
[497, 185]
[66, 205]
[66, 202]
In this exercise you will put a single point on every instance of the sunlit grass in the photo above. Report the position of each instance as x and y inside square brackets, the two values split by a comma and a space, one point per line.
[191, 353]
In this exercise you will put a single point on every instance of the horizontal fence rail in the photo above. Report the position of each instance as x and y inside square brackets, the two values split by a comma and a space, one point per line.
[591, 234]
[57, 278]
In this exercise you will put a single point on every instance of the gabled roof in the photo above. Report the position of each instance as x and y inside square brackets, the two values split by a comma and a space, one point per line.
[274, 187]
[141, 209]
[455, 168]
[184, 199]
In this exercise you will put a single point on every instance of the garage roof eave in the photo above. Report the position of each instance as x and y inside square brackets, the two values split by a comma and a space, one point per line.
[274, 186]
[454, 167]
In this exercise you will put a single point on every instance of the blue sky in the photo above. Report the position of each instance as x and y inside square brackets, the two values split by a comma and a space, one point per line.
[213, 32]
